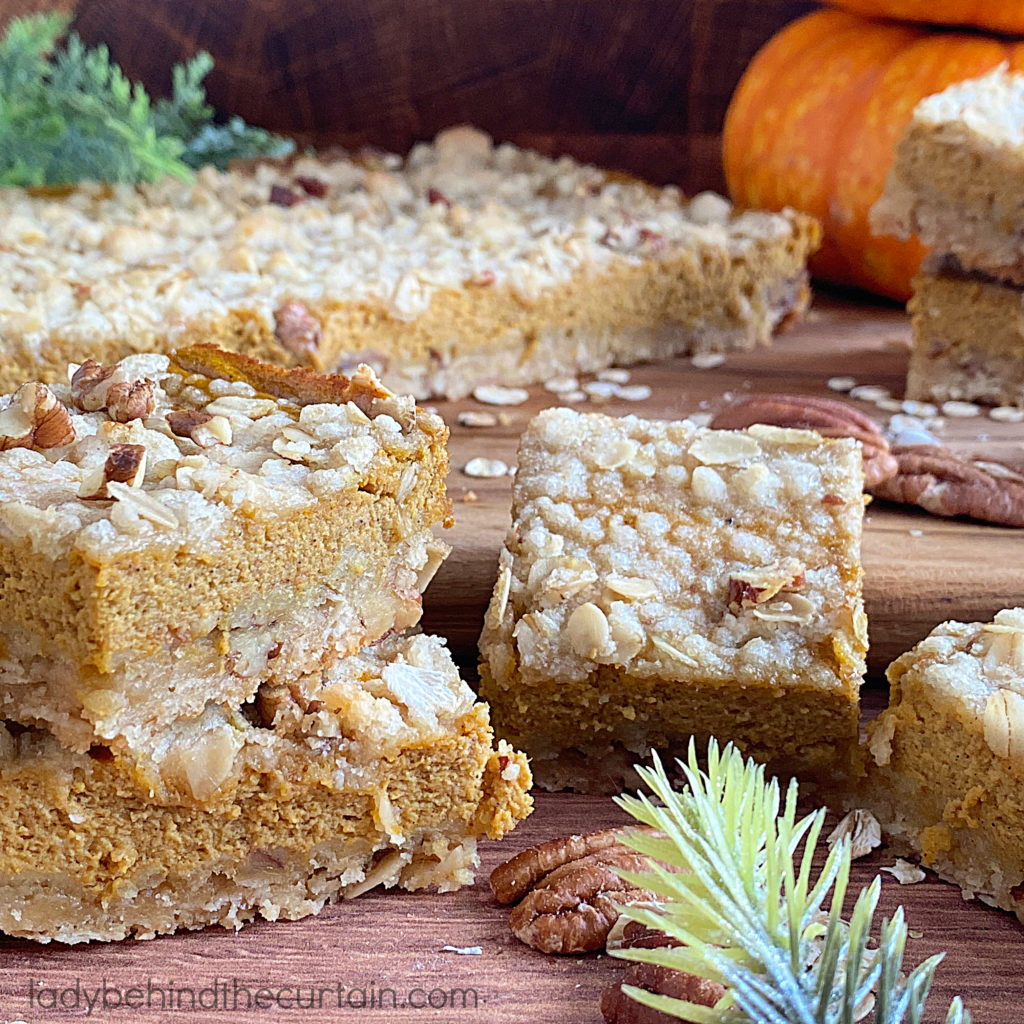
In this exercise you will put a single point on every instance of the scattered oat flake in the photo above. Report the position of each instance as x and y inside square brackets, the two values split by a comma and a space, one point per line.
[889, 405]
[904, 872]
[495, 394]
[474, 418]
[601, 390]
[1006, 414]
[470, 496]
[573, 396]
[700, 419]
[960, 410]
[915, 408]
[707, 360]
[841, 383]
[863, 829]
[870, 392]
[559, 385]
[915, 934]
[463, 950]
[635, 392]
[916, 533]
[614, 375]
[485, 468]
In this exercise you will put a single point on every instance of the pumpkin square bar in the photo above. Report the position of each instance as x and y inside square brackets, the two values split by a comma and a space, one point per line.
[945, 761]
[662, 581]
[957, 180]
[464, 263]
[968, 337]
[174, 531]
[388, 775]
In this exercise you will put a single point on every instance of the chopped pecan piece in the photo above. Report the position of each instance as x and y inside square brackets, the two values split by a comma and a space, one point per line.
[131, 401]
[942, 483]
[95, 387]
[89, 385]
[183, 422]
[758, 586]
[281, 195]
[312, 186]
[569, 890]
[35, 419]
[296, 328]
[805, 412]
[126, 464]
[619, 1008]
[273, 701]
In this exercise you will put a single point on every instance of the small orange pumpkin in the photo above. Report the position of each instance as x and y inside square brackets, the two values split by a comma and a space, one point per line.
[815, 120]
[993, 15]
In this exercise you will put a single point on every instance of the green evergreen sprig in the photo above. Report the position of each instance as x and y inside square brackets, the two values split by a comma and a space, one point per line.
[68, 113]
[744, 902]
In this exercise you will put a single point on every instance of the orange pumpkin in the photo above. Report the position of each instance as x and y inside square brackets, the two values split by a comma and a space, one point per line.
[815, 119]
[994, 15]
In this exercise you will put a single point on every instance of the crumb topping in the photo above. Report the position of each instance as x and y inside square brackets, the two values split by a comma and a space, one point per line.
[972, 662]
[397, 694]
[141, 261]
[679, 552]
[153, 453]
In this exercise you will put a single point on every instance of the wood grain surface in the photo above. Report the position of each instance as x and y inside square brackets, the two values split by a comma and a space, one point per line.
[919, 570]
[395, 941]
[640, 87]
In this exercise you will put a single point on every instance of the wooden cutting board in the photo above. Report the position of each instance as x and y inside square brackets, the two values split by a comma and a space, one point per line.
[396, 941]
[919, 570]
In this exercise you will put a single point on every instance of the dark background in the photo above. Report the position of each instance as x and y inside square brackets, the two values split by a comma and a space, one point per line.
[640, 85]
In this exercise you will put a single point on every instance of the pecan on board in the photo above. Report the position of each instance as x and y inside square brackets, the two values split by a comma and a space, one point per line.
[619, 1008]
[944, 484]
[824, 415]
[569, 890]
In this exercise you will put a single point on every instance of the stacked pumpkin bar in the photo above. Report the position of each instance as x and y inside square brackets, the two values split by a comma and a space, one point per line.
[662, 581]
[211, 712]
[464, 263]
[956, 183]
[945, 768]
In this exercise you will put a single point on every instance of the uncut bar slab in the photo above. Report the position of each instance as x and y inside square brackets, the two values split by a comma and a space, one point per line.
[957, 180]
[968, 337]
[945, 761]
[389, 779]
[223, 561]
[464, 263]
[662, 581]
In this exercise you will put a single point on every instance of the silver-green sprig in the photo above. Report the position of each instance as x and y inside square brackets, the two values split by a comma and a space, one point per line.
[737, 893]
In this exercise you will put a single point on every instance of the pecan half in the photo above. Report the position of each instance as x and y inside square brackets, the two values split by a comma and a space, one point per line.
[569, 890]
[944, 484]
[806, 412]
[131, 401]
[618, 1008]
[296, 328]
[35, 419]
